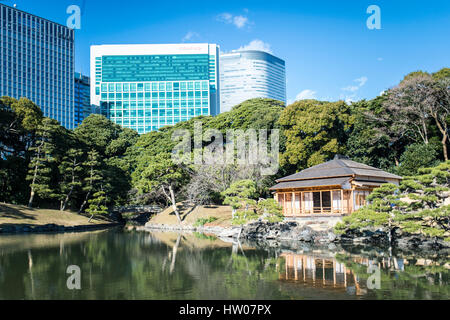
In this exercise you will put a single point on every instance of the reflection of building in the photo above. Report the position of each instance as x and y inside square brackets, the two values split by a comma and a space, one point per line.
[82, 100]
[250, 74]
[340, 186]
[321, 272]
[37, 61]
[146, 87]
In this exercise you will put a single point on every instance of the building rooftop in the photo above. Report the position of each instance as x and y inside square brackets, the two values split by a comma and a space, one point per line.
[340, 167]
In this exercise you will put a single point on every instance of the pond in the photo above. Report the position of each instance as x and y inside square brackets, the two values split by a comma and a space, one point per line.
[120, 264]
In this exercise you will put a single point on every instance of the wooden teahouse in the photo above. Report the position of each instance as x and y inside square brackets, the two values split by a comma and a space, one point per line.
[337, 187]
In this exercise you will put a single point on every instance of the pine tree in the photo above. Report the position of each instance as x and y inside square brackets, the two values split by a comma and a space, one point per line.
[70, 169]
[40, 167]
[97, 204]
[93, 178]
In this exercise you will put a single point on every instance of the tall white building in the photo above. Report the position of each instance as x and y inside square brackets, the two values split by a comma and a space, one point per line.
[250, 74]
[149, 86]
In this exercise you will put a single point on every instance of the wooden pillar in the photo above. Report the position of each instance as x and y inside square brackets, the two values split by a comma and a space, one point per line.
[304, 267]
[321, 203]
[334, 273]
[332, 203]
[295, 268]
[294, 209]
[342, 201]
[314, 269]
[287, 274]
[302, 205]
[352, 201]
[345, 276]
[323, 271]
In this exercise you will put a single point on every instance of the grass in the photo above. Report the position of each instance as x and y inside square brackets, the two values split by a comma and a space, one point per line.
[20, 215]
[190, 215]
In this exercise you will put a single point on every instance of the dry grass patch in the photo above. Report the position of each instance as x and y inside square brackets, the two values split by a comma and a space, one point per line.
[190, 214]
[20, 215]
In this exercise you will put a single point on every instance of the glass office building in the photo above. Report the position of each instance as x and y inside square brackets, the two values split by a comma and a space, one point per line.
[37, 62]
[82, 98]
[250, 74]
[146, 87]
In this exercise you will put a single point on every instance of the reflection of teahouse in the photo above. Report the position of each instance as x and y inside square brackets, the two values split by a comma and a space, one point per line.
[340, 186]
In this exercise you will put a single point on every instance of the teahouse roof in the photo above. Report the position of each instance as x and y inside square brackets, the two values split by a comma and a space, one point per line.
[327, 174]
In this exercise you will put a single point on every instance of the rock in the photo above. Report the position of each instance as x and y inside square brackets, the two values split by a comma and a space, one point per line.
[230, 233]
[331, 237]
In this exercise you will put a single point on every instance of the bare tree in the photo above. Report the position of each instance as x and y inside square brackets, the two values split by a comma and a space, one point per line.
[415, 103]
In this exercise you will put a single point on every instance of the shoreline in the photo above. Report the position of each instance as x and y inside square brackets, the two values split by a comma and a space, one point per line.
[18, 229]
[291, 231]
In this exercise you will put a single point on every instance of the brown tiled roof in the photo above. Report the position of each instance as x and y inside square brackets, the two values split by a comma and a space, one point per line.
[311, 183]
[340, 167]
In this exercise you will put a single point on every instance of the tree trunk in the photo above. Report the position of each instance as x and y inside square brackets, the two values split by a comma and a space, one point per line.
[444, 147]
[443, 130]
[84, 202]
[174, 254]
[32, 193]
[64, 204]
[30, 202]
[174, 204]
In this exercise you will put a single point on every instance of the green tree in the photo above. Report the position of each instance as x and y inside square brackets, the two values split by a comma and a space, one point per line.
[160, 173]
[369, 143]
[240, 195]
[71, 168]
[442, 74]
[112, 143]
[40, 168]
[19, 120]
[92, 181]
[315, 131]
[271, 210]
[417, 156]
[97, 205]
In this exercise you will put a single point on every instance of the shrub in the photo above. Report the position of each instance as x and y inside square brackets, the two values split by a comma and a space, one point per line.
[202, 221]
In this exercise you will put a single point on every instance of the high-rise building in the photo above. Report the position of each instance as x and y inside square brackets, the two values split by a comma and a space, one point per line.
[37, 62]
[146, 87]
[250, 74]
[82, 98]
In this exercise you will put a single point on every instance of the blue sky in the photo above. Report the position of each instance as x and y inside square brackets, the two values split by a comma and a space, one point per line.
[330, 53]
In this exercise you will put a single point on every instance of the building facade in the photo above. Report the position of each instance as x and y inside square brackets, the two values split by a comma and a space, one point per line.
[146, 87]
[37, 62]
[82, 98]
[250, 74]
[337, 187]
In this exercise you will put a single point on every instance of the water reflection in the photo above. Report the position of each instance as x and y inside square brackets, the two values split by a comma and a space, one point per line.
[322, 272]
[129, 265]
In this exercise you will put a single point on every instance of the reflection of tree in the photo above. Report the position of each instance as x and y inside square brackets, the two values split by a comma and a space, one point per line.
[174, 254]
[411, 281]
[118, 265]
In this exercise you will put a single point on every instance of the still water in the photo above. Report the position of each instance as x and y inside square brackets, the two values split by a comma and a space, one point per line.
[117, 264]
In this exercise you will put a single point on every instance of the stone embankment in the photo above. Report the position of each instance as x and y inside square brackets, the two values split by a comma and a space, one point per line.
[260, 230]
[319, 233]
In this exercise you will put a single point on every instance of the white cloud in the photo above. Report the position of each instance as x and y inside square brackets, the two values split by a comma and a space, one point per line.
[306, 94]
[380, 59]
[257, 45]
[238, 21]
[353, 89]
[190, 36]
[361, 82]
